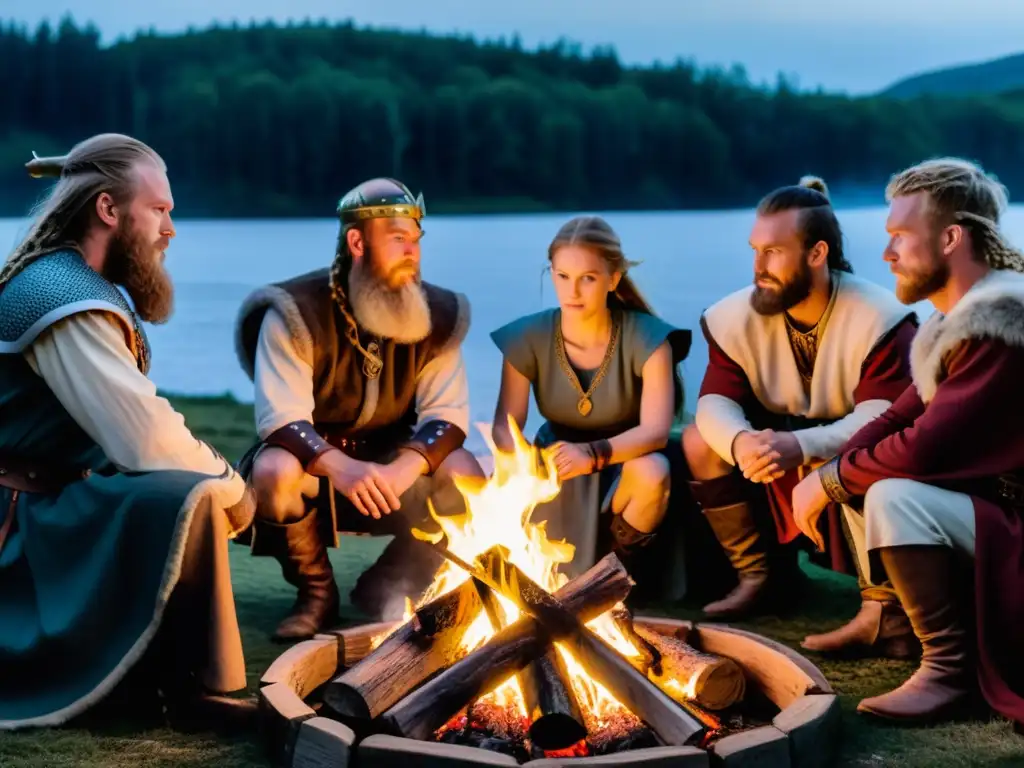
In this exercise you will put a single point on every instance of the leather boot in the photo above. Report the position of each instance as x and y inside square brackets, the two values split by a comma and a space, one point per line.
[880, 628]
[301, 551]
[728, 512]
[404, 569]
[211, 712]
[923, 577]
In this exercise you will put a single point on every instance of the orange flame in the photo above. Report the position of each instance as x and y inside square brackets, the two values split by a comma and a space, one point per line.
[498, 513]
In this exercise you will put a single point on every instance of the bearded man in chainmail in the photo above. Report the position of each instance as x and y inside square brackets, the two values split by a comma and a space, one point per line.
[362, 409]
[798, 362]
[940, 475]
[115, 585]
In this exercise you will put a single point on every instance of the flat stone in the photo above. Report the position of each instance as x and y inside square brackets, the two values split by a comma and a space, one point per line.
[305, 666]
[764, 747]
[812, 723]
[652, 757]
[382, 751]
[282, 712]
[323, 743]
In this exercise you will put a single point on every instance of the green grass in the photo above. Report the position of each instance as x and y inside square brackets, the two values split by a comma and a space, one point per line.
[262, 598]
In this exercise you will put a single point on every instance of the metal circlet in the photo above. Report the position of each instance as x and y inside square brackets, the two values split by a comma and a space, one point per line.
[585, 405]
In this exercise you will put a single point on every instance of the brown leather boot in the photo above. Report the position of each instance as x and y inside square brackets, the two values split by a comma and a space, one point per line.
[945, 681]
[728, 512]
[301, 551]
[404, 569]
[211, 712]
[880, 628]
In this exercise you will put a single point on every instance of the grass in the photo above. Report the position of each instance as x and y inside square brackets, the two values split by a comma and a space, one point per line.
[262, 597]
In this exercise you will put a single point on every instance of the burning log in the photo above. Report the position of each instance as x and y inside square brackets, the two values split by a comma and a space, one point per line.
[713, 682]
[424, 710]
[410, 655]
[556, 721]
[680, 670]
[672, 724]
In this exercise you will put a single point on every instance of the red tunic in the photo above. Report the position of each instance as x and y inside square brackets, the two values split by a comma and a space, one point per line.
[885, 374]
[970, 432]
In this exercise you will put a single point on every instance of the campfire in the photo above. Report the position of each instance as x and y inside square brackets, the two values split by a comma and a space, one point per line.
[504, 652]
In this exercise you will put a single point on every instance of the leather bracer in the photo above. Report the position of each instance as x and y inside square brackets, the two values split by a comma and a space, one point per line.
[435, 441]
[301, 440]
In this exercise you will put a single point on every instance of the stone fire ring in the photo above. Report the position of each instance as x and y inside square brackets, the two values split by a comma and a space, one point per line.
[803, 735]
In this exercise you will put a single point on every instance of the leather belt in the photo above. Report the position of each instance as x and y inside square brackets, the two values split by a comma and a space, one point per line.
[370, 446]
[28, 477]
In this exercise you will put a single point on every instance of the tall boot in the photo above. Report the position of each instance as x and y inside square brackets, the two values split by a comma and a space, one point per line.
[301, 551]
[923, 577]
[880, 628]
[728, 512]
[404, 569]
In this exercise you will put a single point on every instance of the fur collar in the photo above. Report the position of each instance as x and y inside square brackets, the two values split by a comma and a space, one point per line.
[993, 308]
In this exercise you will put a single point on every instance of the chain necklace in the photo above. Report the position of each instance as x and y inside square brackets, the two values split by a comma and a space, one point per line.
[584, 405]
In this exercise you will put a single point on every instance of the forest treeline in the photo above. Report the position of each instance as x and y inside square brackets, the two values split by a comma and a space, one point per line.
[270, 120]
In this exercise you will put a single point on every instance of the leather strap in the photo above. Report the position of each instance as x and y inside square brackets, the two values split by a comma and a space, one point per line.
[31, 477]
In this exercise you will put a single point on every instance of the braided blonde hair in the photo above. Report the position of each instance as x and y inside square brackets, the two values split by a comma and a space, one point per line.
[102, 163]
[960, 192]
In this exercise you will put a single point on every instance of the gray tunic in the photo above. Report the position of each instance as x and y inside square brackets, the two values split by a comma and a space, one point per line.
[577, 513]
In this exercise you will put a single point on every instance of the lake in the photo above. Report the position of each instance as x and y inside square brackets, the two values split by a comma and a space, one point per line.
[690, 259]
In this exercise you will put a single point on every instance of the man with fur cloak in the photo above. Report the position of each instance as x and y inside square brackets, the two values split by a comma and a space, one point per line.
[114, 518]
[362, 408]
[798, 362]
[940, 474]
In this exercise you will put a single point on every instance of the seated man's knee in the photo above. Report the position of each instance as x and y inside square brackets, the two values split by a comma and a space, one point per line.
[700, 457]
[885, 506]
[278, 480]
[458, 463]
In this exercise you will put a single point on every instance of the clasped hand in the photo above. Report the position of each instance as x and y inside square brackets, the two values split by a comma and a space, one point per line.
[765, 456]
[372, 488]
[571, 460]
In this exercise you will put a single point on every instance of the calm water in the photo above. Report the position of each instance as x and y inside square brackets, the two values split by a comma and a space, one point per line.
[689, 260]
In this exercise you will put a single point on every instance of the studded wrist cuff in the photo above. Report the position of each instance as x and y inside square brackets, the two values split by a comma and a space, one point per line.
[301, 440]
[435, 440]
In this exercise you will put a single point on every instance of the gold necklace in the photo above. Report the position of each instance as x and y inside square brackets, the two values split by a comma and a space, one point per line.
[584, 405]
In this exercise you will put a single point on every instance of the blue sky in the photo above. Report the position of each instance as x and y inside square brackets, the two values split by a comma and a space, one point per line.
[857, 46]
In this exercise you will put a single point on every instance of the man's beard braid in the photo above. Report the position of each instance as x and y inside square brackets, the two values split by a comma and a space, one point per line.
[772, 301]
[922, 284]
[135, 264]
[401, 315]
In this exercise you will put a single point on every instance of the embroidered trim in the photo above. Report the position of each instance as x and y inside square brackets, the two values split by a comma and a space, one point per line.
[831, 481]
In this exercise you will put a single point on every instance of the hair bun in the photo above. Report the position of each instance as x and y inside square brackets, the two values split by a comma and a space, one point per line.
[39, 167]
[816, 183]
